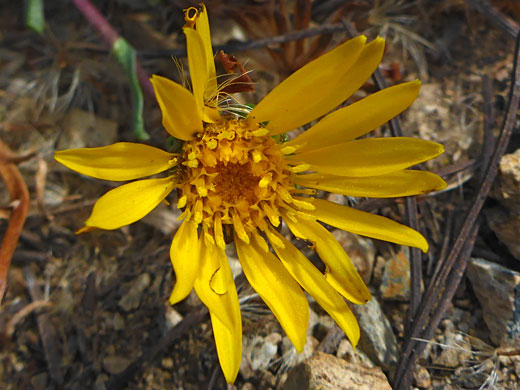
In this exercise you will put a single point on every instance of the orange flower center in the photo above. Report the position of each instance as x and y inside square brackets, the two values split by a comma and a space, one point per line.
[235, 183]
[234, 173]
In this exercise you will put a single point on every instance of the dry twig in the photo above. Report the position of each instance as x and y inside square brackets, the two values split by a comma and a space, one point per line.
[501, 21]
[440, 290]
[20, 206]
[235, 46]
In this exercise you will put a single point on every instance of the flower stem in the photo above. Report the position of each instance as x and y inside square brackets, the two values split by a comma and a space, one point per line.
[126, 56]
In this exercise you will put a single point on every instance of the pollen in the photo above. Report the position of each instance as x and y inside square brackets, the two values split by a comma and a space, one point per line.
[235, 174]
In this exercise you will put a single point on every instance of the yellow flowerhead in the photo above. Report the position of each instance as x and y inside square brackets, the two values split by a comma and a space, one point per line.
[235, 180]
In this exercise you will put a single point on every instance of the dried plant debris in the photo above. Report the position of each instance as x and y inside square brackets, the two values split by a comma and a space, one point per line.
[91, 311]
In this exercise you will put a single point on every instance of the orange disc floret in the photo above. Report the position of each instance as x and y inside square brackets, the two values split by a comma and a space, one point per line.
[234, 174]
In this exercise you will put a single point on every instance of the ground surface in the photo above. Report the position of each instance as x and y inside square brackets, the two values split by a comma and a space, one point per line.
[101, 298]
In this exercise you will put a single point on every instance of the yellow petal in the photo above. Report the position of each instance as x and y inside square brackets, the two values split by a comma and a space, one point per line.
[277, 288]
[181, 116]
[210, 114]
[216, 289]
[312, 280]
[129, 203]
[202, 26]
[184, 255]
[366, 64]
[341, 273]
[214, 283]
[229, 347]
[198, 65]
[311, 91]
[359, 118]
[369, 157]
[118, 162]
[366, 224]
[389, 185]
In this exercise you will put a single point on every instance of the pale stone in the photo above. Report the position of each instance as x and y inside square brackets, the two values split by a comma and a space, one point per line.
[327, 372]
[130, 301]
[498, 291]
[395, 282]
[377, 337]
[506, 226]
[115, 364]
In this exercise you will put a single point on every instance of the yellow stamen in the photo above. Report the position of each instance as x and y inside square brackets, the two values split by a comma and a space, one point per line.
[266, 180]
[288, 149]
[219, 234]
[181, 202]
[300, 168]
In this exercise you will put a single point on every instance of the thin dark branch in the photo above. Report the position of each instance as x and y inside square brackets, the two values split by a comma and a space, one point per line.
[488, 142]
[496, 17]
[236, 46]
[451, 286]
[445, 243]
[396, 130]
[457, 167]
[464, 236]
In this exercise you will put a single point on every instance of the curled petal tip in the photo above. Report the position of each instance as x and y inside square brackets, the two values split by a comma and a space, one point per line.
[442, 185]
[85, 229]
[424, 246]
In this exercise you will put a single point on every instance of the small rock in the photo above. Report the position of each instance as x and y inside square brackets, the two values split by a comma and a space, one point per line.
[455, 348]
[507, 184]
[171, 315]
[434, 117]
[506, 226]
[379, 267]
[258, 353]
[441, 385]
[516, 361]
[167, 363]
[247, 386]
[323, 326]
[130, 301]
[498, 291]
[353, 355]
[99, 384]
[115, 364]
[118, 321]
[39, 381]
[421, 377]
[327, 372]
[395, 282]
[268, 381]
[505, 361]
[291, 358]
[377, 338]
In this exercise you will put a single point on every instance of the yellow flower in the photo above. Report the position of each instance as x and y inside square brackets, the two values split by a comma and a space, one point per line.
[235, 181]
